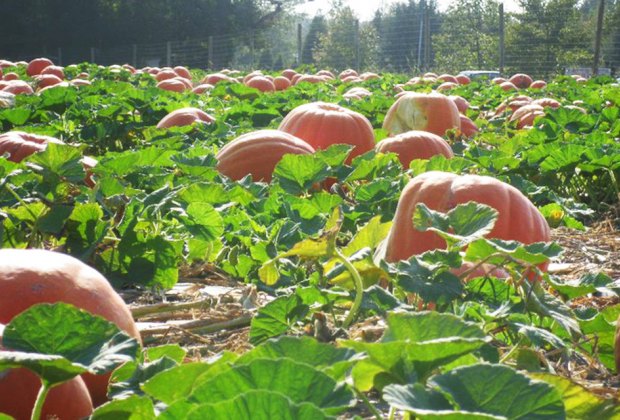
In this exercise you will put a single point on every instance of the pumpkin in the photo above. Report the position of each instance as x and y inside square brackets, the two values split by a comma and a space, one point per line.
[518, 219]
[261, 83]
[309, 78]
[281, 83]
[461, 103]
[322, 124]
[183, 72]
[289, 73]
[215, 78]
[498, 80]
[369, 76]
[538, 84]
[45, 80]
[448, 78]
[19, 388]
[58, 277]
[357, 93]
[346, 73]
[446, 86]
[172, 85]
[55, 70]
[431, 112]
[20, 145]
[165, 75]
[326, 73]
[257, 154]
[521, 80]
[463, 79]
[37, 65]
[185, 116]
[468, 127]
[18, 87]
[507, 86]
[547, 102]
[11, 76]
[525, 115]
[415, 145]
[202, 88]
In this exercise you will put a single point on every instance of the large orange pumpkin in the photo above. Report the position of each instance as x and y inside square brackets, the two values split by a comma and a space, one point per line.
[19, 389]
[19, 145]
[185, 116]
[35, 276]
[415, 145]
[518, 219]
[521, 80]
[258, 153]
[37, 65]
[261, 83]
[322, 124]
[18, 87]
[431, 112]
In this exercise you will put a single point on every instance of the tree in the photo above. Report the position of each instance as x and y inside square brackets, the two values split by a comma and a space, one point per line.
[338, 47]
[469, 36]
[318, 28]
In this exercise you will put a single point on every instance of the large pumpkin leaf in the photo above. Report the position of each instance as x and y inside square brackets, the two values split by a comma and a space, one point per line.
[59, 341]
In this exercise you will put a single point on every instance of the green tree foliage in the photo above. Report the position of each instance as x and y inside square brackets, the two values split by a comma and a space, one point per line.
[337, 47]
[469, 36]
[548, 37]
[318, 27]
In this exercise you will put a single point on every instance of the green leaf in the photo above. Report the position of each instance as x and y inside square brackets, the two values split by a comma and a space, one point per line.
[536, 253]
[142, 373]
[326, 357]
[460, 226]
[500, 391]
[176, 383]
[428, 404]
[76, 340]
[423, 340]
[299, 173]
[545, 304]
[588, 283]
[578, 401]
[132, 408]
[298, 381]
[276, 318]
[172, 351]
[258, 405]
[61, 160]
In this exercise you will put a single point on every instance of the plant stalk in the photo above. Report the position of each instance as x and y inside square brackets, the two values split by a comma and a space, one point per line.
[359, 288]
[41, 396]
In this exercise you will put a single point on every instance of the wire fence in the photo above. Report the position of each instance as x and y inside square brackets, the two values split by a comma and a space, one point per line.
[427, 43]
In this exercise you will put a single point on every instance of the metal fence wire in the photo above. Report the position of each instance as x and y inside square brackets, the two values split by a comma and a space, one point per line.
[427, 43]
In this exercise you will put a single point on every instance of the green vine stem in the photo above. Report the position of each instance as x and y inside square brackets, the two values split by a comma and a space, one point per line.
[38, 405]
[359, 288]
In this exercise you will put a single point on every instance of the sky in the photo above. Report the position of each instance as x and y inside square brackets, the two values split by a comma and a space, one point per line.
[365, 9]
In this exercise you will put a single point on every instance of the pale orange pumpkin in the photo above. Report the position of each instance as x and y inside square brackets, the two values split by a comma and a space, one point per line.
[257, 154]
[185, 116]
[322, 124]
[518, 219]
[431, 112]
[415, 145]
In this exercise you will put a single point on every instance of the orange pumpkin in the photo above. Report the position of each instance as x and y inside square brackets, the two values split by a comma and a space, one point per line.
[55, 70]
[37, 65]
[11, 76]
[172, 85]
[309, 78]
[289, 73]
[20, 145]
[261, 83]
[183, 72]
[322, 124]
[281, 83]
[18, 87]
[468, 127]
[461, 103]
[431, 112]
[60, 278]
[463, 79]
[521, 80]
[538, 84]
[185, 116]
[45, 80]
[415, 145]
[518, 219]
[19, 389]
[507, 86]
[257, 154]
[525, 115]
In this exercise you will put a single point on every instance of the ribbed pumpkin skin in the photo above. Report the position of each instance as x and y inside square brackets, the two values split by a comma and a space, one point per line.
[322, 124]
[518, 218]
[258, 153]
[431, 112]
[415, 145]
[35, 276]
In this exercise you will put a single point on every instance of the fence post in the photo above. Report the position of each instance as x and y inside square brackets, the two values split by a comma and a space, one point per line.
[420, 37]
[169, 54]
[134, 55]
[210, 53]
[427, 39]
[599, 35]
[357, 45]
[501, 38]
[299, 46]
[59, 56]
[92, 55]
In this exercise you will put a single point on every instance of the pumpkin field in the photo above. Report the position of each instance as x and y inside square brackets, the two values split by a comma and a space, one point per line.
[307, 244]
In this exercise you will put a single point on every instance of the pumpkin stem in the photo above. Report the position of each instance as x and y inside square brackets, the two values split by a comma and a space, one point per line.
[359, 288]
[41, 396]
